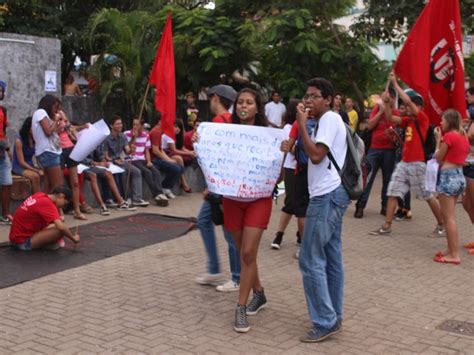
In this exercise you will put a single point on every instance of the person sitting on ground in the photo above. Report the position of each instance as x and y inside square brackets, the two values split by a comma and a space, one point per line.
[140, 146]
[71, 88]
[37, 223]
[175, 149]
[23, 152]
[452, 148]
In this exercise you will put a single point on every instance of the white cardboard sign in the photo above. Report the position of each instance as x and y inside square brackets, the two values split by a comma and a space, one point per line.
[239, 160]
[88, 139]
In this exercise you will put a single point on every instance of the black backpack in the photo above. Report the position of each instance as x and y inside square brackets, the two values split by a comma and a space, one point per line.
[429, 144]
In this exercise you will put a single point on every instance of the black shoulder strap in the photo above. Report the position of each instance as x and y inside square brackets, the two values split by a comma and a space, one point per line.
[331, 158]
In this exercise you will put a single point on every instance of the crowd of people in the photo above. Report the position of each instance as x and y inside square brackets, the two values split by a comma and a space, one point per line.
[315, 148]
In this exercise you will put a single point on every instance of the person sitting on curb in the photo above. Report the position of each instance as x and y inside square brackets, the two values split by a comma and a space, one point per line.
[37, 223]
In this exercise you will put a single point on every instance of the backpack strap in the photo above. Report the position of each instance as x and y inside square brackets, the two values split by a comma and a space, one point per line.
[331, 158]
[417, 126]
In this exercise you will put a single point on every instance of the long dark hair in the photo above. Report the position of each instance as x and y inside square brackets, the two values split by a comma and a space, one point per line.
[25, 130]
[290, 115]
[179, 136]
[260, 119]
[47, 102]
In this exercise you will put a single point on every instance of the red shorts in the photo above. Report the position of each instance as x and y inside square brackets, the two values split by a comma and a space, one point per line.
[238, 214]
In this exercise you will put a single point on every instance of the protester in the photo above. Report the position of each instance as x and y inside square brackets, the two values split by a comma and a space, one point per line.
[351, 113]
[116, 147]
[221, 98]
[468, 198]
[5, 163]
[45, 127]
[410, 172]
[289, 166]
[275, 109]
[452, 148]
[381, 155]
[337, 107]
[175, 149]
[140, 146]
[37, 222]
[23, 152]
[321, 250]
[188, 112]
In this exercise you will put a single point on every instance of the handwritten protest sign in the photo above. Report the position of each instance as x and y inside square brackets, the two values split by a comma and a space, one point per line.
[239, 160]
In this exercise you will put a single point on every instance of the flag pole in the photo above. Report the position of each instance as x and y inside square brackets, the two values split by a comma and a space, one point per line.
[144, 101]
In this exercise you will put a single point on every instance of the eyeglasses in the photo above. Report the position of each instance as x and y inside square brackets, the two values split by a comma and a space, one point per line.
[311, 96]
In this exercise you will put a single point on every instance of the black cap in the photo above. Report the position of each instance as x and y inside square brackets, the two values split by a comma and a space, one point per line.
[225, 91]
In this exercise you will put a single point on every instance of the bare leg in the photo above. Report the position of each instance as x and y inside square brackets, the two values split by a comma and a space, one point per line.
[35, 180]
[448, 208]
[47, 236]
[74, 182]
[434, 205]
[55, 177]
[301, 226]
[391, 207]
[285, 219]
[95, 189]
[468, 199]
[113, 187]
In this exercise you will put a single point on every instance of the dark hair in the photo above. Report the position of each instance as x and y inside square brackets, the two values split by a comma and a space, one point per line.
[324, 86]
[290, 115]
[260, 119]
[179, 139]
[275, 92]
[47, 102]
[25, 130]
[66, 191]
[392, 92]
[224, 101]
[417, 100]
[69, 79]
[470, 90]
[156, 118]
[114, 119]
[140, 120]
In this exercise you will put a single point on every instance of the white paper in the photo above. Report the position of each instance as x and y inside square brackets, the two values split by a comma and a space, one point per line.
[114, 169]
[50, 81]
[81, 168]
[431, 176]
[239, 160]
[88, 139]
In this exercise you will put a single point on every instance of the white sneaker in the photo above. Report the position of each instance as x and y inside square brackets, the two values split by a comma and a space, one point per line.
[210, 279]
[439, 232]
[161, 200]
[168, 193]
[297, 254]
[229, 286]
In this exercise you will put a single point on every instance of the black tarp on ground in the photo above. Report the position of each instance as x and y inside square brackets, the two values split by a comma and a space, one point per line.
[99, 240]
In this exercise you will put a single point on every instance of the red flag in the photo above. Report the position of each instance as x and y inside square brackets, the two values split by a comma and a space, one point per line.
[431, 61]
[163, 78]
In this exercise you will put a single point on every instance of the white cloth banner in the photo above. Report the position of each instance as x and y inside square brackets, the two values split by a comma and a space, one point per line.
[239, 160]
[88, 139]
[431, 176]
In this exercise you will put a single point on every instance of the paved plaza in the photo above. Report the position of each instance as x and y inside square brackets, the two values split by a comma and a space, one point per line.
[146, 301]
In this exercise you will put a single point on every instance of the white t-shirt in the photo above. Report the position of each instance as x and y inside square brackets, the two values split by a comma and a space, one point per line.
[165, 140]
[275, 112]
[290, 161]
[43, 143]
[323, 177]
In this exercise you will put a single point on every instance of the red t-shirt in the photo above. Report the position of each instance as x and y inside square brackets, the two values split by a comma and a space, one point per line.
[380, 140]
[3, 122]
[294, 131]
[458, 147]
[225, 117]
[155, 139]
[413, 148]
[188, 142]
[33, 215]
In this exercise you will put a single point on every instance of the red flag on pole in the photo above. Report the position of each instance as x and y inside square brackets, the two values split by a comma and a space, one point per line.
[163, 78]
[431, 61]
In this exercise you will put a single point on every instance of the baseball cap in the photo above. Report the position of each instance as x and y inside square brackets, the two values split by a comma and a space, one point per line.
[225, 91]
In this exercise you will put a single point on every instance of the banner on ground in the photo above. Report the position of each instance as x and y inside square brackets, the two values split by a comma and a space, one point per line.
[239, 160]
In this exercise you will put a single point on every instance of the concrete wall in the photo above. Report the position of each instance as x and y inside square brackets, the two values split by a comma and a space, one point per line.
[23, 62]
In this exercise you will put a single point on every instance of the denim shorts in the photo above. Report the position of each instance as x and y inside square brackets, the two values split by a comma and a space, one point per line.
[451, 182]
[6, 171]
[25, 246]
[49, 159]
[468, 171]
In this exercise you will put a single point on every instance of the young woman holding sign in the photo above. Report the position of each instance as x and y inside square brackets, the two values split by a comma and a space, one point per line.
[247, 218]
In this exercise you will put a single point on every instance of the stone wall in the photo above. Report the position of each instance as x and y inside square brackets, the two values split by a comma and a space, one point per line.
[24, 60]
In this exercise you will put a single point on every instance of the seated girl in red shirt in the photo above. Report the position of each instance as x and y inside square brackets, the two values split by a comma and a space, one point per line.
[452, 149]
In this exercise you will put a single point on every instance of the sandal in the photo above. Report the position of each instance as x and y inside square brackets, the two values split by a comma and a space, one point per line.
[443, 260]
[187, 190]
[86, 209]
[80, 216]
[469, 245]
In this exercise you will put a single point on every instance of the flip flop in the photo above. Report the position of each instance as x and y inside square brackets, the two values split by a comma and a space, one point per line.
[470, 251]
[187, 190]
[88, 209]
[469, 245]
[80, 217]
[442, 259]
[439, 254]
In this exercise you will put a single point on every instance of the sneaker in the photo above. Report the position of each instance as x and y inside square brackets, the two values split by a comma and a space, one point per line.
[258, 302]
[104, 211]
[241, 324]
[5, 220]
[111, 203]
[316, 334]
[168, 193]
[297, 253]
[210, 279]
[403, 215]
[161, 200]
[359, 212]
[140, 203]
[124, 206]
[439, 232]
[229, 286]
[277, 241]
[381, 231]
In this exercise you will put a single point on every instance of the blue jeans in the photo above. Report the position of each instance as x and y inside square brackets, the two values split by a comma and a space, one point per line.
[378, 158]
[321, 257]
[171, 172]
[208, 234]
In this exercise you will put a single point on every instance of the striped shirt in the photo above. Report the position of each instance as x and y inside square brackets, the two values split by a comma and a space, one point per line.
[142, 142]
